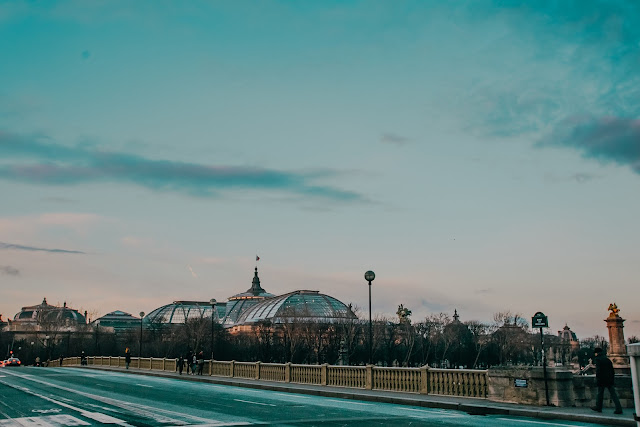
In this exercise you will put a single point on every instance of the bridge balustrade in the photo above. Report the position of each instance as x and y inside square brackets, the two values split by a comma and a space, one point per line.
[425, 380]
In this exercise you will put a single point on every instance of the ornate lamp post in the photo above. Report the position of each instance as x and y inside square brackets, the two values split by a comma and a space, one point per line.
[213, 302]
[369, 276]
[140, 347]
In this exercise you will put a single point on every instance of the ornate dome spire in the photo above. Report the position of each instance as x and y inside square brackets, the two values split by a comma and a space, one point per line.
[255, 288]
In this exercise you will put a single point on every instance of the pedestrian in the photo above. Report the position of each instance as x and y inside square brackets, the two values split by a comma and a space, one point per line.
[605, 376]
[61, 359]
[180, 364]
[83, 359]
[194, 363]
[127, 357]
[188, 360]
[200, 362]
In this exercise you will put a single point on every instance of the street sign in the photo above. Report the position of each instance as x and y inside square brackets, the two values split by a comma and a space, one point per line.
[539, 320]
[520, 382]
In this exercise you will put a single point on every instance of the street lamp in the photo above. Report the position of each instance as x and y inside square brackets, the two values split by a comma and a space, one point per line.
[213, 302]
[140, 347]
[369, 276]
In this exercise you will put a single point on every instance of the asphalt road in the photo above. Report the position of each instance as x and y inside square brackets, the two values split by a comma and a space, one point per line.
[77, 397]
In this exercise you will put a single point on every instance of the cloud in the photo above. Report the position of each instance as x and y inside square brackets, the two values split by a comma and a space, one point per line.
[56, 164]
[606, 139]
[555, 60]
[394, 139]
[192, 272]
[8, 270]
[11, 246]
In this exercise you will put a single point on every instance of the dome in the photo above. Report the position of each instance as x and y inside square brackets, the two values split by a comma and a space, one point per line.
[46, 313]
[179, 311]
[302, 305]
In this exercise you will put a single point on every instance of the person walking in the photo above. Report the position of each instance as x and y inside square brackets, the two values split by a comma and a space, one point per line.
[188, 360]
[200, 362]
[194, 363]
[605, 376]
[127, 357]
[180, 364]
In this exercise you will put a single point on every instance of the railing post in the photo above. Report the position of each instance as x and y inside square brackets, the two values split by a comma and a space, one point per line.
[232, 368]
[368, 382]
[109, 361]
[211, 367]
[323, 374]
[150, 363]
[257, 370]
[139, 362]
[287, 372]
[424, 383]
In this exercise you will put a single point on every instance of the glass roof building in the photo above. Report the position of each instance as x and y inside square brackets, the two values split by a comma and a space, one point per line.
[304, 306]
[255, 305]
[178, 312]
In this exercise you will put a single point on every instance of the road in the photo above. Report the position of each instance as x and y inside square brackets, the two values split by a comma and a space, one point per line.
[32, 396]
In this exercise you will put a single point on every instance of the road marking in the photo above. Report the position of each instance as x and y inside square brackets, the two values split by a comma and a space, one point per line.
[292, 395]
[255, 403]
[157, 414]
[3, 376]
[145, 385]
[49, 420]
[348, 401]
[47, 411]
[92, 415]
[536, 422]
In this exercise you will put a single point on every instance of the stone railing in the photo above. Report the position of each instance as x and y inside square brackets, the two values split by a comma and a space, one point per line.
[425, 380]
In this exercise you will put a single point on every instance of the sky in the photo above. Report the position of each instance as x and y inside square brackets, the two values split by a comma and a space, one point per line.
[478, 156]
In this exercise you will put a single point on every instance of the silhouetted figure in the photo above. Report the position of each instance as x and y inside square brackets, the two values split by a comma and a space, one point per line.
[200, 362]
[605, 376]
[61, 359]
[83, 359]
[180, 364]
[127, 357]
[188, 360]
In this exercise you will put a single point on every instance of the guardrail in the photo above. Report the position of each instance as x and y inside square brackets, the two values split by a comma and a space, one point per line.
[424, 380]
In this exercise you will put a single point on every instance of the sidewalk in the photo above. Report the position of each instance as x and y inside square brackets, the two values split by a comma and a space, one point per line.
[470, 405]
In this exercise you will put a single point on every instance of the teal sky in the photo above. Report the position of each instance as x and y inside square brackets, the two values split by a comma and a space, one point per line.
[479, 156]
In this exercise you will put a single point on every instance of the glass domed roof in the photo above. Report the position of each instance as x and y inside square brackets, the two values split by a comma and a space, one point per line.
[303, 305]
[180, 311]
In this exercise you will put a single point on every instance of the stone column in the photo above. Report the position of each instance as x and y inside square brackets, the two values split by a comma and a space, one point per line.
[634, 351]
[617, 348]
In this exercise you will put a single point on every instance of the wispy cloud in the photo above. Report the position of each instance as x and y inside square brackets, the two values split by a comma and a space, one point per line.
[51, 163]
[606, 139]
[9, 271]
[193, 273]
[394, 139]
[11, 246]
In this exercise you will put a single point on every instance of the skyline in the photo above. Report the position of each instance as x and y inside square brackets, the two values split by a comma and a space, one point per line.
[478, 156]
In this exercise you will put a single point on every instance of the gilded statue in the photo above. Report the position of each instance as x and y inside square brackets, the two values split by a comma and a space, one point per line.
[403, 313]
[613, 308]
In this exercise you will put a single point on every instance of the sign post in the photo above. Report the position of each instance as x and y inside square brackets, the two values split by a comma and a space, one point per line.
[539, 320]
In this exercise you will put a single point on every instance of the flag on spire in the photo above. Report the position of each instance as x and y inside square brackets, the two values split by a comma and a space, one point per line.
[257, 258]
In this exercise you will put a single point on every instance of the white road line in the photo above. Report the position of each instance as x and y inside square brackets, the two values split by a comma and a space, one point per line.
[255, 403]
[145, 385]
[92, 415]
[49, 420]
[348, 401]
[536, 422]
[297, 396]
[159, 415]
